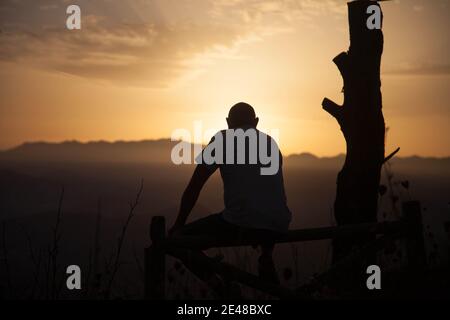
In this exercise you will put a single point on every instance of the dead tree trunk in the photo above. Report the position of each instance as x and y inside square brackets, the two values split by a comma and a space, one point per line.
[362, 123]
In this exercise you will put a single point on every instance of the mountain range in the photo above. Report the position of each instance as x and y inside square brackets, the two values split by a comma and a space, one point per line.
[158, 152]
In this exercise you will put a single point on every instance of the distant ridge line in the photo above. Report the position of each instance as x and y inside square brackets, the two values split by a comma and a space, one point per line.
[167, 142]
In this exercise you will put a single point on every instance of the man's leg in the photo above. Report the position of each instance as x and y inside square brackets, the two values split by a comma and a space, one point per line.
[215, 225]
[210, 225]
[266, 266]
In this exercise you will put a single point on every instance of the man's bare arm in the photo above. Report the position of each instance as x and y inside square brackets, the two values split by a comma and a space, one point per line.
[190, 195]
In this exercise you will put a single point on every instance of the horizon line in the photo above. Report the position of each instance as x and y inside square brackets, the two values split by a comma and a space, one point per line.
[60, 142]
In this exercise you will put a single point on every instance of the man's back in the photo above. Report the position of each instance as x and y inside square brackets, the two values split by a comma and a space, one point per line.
[252, 176]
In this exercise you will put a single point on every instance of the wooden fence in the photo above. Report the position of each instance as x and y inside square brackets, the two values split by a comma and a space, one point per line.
[408, 228]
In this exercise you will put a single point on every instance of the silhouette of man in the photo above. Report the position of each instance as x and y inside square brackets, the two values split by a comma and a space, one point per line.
[255, 203]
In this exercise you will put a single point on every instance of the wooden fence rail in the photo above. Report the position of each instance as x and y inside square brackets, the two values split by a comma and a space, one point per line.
[349, 231]
[409, 228]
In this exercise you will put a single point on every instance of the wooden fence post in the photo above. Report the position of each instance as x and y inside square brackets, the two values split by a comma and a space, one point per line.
[415, 245]
[447, 231]
[155, 261]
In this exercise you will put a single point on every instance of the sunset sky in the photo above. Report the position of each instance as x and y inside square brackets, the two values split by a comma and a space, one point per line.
[139, 69]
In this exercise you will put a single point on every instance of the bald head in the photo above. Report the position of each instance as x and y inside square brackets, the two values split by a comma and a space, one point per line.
[240, 115]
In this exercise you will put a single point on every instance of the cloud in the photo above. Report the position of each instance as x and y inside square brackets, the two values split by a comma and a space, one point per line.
[417, 8]
[137, 42]
[134, 54]
[418, 69]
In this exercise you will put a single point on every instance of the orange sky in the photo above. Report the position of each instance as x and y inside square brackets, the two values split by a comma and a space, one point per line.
[141, 69]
